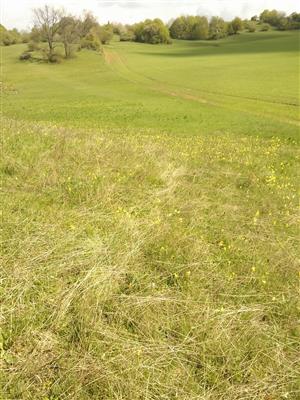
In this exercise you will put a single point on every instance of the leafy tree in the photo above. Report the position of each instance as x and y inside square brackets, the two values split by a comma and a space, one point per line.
[9, 37]
[237, 25]
[217, 28]
[271, 17]
[189, 28]
[179, 28]
[105, 33]
[151, 31]
[294, 21]
[230, 30]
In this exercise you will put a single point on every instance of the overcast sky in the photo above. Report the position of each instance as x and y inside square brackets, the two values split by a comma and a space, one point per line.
[18, 13]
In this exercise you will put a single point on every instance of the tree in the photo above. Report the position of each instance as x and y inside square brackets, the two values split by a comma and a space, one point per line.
[47, 21]
[271, 17]
[237, 25]
[294, 21]
[69, 31]
[88, 22]
[189, 28]
[105, 33]
[91, 41]
[217, 28]
[9, 37]
[200, 28]
[178, 28]
[151, 31]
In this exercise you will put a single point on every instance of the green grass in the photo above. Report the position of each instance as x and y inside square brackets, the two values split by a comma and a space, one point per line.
[149, 242]
[245, 85]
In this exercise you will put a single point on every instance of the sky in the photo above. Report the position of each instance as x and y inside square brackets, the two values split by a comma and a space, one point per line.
[18, 13]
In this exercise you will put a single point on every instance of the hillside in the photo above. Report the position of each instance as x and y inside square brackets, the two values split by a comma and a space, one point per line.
[150, 222]
[186, 87]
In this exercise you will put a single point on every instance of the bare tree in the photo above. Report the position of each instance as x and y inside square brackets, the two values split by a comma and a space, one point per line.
[47, 19]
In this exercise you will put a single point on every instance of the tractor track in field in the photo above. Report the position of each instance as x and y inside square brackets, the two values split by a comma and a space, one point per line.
[117, 63]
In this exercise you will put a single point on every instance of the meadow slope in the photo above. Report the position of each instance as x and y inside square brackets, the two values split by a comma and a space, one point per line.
[150, 223]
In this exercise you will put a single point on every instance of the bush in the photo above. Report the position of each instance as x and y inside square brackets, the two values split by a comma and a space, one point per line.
[251, 26]
[105, 33]
[91, 41]
[55, 58]
[25, 56]
[33, 46]
[265, 27]
[127, 36]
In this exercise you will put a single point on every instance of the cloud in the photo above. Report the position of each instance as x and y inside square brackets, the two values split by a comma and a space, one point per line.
[122, 4]
[18, 13]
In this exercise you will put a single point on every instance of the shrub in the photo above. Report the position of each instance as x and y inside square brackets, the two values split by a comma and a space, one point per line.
[55, 58]
[25, 56]
[90, 42]
[265, 27]
[251, 26]
[105, 33]
[127, 36]
[32, 46]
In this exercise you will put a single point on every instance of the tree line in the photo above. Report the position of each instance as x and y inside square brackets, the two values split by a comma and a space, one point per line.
[53, 27]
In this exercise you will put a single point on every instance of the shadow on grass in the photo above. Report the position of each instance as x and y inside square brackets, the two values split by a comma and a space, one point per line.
[240, 44]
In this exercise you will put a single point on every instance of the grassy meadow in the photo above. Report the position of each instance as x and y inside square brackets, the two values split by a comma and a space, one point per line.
[150, 222]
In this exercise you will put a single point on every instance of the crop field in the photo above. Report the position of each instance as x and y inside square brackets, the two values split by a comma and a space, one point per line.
[151, 223]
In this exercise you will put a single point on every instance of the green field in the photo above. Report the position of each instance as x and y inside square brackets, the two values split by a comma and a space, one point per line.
[151, 223]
